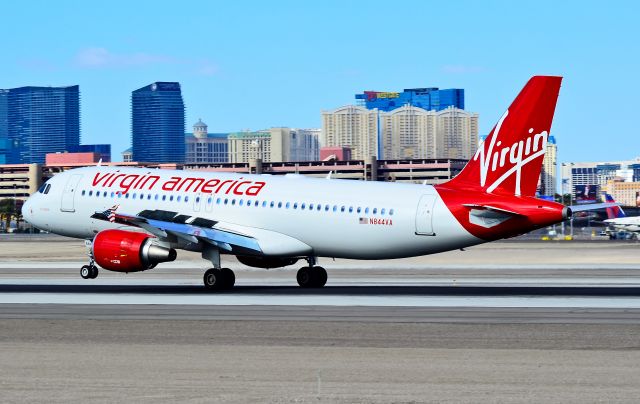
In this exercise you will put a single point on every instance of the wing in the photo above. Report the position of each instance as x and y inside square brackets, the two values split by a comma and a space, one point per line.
[229, 237]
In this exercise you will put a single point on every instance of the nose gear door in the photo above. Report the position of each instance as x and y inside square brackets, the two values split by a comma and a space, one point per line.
[68, 194]
[424, 215]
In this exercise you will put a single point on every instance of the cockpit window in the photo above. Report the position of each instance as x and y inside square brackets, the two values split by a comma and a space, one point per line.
[44, 189]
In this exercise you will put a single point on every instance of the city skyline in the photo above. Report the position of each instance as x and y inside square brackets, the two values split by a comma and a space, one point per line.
[256, 78]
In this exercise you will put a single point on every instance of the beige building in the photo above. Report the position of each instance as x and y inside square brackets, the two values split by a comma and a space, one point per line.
[353, 127]
[407, 132]
[274, 145]
[548, 175]
[18, 181]
[456, 134]
[626, 193]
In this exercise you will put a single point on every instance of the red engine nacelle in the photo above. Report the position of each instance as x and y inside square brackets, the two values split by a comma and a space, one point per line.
[128, 251]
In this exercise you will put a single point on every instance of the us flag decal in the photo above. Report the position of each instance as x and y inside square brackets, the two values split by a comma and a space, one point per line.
[364, 220]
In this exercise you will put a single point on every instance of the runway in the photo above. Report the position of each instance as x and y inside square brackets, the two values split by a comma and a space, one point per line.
[504, 323]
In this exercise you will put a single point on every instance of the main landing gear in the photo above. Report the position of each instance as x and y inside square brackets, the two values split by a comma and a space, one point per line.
[312, 276]
[219, 278]
[89, 271]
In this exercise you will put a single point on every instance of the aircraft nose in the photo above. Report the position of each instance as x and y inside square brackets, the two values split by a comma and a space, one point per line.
[27, 210]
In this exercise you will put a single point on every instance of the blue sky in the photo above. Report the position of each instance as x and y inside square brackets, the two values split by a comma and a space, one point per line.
[253, 65]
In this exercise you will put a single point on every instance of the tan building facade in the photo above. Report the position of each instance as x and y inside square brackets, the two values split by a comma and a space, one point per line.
[353, 127]
[626, 193]
[548, 175]
[275, 145]
[407, 132]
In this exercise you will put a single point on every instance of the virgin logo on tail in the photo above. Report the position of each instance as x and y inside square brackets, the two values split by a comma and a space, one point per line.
[518, 154]
[510, 159]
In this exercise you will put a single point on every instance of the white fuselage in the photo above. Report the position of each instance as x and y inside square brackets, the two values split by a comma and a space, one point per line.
[631, 224]
[335, 218]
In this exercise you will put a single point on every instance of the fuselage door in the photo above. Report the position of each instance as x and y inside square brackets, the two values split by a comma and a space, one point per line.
[69, 193]
[424, 215]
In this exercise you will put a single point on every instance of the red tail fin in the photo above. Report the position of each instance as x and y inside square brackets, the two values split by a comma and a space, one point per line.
[510, 159]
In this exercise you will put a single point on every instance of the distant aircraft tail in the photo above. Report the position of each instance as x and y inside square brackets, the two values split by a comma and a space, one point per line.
[510, 159]
[613, 211]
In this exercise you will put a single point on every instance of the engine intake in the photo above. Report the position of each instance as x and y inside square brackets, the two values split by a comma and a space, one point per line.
[128, 251]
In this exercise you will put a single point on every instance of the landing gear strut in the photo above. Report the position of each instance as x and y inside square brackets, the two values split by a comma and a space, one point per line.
[312, 276]
[219, 279]
[89, 271]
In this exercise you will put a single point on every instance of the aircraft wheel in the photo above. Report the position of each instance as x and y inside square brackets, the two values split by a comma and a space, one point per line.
[314, 277]
[320, 275]
[93, 272]
[85, 272]
[304, 277]
[213, 279]
[228, 278]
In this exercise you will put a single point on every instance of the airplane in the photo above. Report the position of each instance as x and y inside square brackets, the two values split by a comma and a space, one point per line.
[136, 218]
[619, 220]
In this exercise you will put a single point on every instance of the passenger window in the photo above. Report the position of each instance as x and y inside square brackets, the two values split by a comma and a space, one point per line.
[164, 197]
[310, 206]
[295, 205]
[326, 208]
[335, 208]
[350, 209]
[197, 199]
[233, 201]
[119, 195]
[156, 197]
[287, 205]
[40, 190]
[342, 208]
[218, 201]
[366, 210]
[302, 206]
[264, 204]
[382, 211]
[178, 198]
[171, 198]
[240, 202]
[279, 205]
[134, 196]
[90, 193]
[359, 209]
[141, 196]
[226, 201]
[126, 196]
[272, 204]
[375, 210]
[112, 194]
[148, 197]
[390, 212]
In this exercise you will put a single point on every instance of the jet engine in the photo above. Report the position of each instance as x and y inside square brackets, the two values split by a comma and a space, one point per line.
[266, 262]
[127, 251]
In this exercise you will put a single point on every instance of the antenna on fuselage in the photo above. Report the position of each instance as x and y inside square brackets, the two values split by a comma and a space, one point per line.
[100, 162]
[328, 177]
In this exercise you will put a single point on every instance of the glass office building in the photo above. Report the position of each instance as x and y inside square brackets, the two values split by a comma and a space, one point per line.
[103, 150]
[35, 121]
[431, 99]
[158, 123]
